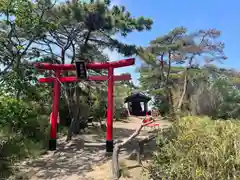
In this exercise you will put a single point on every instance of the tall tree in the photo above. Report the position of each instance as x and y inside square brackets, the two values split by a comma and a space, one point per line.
[158, 58]
[22, 22]
[163, 56]
[204, 46]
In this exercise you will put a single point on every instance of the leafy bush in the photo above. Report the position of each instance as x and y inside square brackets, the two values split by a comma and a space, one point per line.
[22, 131]
[219, 99]
[98, 109]
[198, 148]
[21, 118]
[120, 113]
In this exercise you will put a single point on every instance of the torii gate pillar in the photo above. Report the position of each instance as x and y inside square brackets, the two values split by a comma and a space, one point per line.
[109, 133]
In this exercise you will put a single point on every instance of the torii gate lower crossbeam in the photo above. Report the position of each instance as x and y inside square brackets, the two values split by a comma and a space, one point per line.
[58, 68]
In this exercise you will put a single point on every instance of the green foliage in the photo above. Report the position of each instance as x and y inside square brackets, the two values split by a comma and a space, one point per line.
[99, 107]
[86, 26]
[121, 91]
[171, 64]
[217, 98]
[19, 117]
[156, 73]
[23, 132]
[198, 148]
[229, 97]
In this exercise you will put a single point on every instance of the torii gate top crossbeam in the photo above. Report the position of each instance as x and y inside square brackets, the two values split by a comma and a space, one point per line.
[105, 65]
[123, 77]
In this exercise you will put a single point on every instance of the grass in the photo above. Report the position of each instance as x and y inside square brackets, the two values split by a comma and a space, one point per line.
[199, 148]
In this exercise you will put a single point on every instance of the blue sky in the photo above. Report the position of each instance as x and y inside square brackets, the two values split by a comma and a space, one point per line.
[168, 14]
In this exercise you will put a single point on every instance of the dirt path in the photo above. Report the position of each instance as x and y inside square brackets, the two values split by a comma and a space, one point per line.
[82, 159]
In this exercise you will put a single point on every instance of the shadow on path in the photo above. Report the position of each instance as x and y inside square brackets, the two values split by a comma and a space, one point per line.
[78, 157]
[75, 158]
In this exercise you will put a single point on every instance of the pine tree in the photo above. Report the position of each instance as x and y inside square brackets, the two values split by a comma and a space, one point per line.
[171, 60]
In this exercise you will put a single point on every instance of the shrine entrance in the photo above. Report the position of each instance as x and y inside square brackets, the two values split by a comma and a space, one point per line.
[137, 104]
[81, 67]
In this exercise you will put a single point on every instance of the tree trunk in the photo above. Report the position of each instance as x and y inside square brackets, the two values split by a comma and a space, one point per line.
[77, 110]
[76, 118]
[180, 102]
[185, 85]
[70, 104]
[19, 77]
[168, 87]
[80, 114]
[115, 162]
[73, 111]
[170, 101]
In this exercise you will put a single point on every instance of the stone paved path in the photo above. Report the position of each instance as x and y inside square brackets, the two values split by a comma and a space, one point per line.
[74, 160]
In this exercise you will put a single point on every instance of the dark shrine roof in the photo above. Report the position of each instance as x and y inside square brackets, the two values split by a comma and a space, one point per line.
[137, 97]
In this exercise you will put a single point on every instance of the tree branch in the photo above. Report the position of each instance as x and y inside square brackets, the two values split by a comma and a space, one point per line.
[118, 146]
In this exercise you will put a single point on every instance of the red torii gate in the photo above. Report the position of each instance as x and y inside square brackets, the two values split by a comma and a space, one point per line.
[59, 68]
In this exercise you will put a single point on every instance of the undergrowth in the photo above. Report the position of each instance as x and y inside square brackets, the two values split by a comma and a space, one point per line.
[198, 148]
[23, 133]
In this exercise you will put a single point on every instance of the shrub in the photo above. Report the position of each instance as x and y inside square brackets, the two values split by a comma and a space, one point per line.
[218, 99]
[120, 113]
[22, 132]
[198, 148]
[22, 118]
